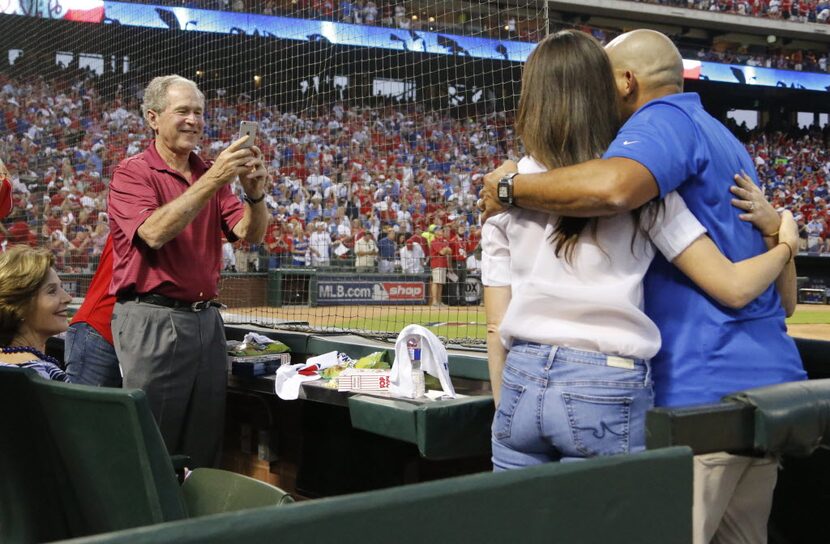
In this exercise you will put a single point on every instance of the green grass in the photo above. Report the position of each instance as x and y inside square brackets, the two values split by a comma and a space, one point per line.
[807, 317]
[461, 321]
[454, 322]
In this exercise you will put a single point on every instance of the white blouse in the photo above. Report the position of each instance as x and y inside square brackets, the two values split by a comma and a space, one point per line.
[596, 302]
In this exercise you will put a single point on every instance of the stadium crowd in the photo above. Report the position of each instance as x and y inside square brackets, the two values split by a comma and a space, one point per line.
[799, 60]
[394, 13]
[804, 11]
[795, 169]
[351, 186]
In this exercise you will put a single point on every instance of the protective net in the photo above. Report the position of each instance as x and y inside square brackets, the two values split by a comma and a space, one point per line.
[376, 120]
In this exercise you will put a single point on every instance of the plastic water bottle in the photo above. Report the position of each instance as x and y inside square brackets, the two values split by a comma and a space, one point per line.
[413, 346]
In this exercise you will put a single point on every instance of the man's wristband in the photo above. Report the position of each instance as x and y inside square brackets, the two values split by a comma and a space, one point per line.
[253, 201]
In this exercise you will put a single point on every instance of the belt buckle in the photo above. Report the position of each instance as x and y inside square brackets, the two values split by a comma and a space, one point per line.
[200, 305]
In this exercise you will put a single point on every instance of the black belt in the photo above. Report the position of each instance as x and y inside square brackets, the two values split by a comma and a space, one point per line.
[161, 300]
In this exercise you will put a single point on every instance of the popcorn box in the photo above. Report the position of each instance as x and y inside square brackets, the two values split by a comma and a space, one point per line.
[370, 380]
[365, 380]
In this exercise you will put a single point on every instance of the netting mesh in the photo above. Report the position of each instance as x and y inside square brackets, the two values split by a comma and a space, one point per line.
[376, 120]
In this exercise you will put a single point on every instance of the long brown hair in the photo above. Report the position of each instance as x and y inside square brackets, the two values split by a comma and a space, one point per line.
[568, 113]
[22, 271]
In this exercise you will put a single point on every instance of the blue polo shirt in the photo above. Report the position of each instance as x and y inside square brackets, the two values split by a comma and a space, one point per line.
[708, 350]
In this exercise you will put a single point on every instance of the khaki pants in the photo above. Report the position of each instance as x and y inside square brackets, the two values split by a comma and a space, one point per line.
[732, 498]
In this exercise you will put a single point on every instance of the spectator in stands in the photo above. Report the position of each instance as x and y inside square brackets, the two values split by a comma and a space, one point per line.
[168, 212]
[366, 253]
[458, 244]
[668, 143]
[474, 261]
[20, 232]
[278, 245]
[33, 307]
[299, 247]
[412, 257]
[387, 251]
[370, 13]
[319, 245]
[440, 254]
[814, 229]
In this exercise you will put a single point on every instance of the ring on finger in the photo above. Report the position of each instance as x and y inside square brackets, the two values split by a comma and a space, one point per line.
[751, 206]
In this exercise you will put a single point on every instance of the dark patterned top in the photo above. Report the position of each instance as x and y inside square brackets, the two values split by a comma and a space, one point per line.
[48, 370]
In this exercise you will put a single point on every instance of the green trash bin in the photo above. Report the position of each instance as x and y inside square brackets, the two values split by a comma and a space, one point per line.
[274, 288]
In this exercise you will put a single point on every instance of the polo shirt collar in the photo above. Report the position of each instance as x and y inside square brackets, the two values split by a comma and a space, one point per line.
[154, 161]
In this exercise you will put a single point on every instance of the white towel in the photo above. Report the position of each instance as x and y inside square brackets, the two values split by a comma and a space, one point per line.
[433, 361]
[253, 338]
[287, 384]
[289, 380]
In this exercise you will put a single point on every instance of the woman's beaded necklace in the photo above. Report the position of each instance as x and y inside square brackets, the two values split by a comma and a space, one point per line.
[28, 349]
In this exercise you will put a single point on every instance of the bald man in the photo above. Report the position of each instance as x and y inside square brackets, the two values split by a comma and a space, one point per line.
[668, 143]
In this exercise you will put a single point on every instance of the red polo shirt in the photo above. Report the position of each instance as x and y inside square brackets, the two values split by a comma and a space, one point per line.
[98, 303]
[185, 268]
[436, 260]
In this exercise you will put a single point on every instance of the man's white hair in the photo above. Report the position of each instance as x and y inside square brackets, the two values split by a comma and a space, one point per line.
[155, 94]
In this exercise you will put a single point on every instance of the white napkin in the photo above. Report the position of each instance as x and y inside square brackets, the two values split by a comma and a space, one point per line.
[325, 360]
[288, 382]
[254, 339]
[433, 361]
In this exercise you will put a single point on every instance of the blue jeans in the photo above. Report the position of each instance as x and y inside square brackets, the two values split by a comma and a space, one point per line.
[561, 404]
[90, 359]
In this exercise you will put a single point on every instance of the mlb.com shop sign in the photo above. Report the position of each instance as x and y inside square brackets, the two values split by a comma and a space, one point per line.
[370, 292]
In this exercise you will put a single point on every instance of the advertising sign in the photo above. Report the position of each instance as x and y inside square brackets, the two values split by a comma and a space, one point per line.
[334, 290]
[472, 290]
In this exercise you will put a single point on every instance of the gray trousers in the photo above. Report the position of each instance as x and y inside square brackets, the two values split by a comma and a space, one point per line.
[179, 359]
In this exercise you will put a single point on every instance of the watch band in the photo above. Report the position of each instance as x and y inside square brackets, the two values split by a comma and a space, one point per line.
[253, 201]
[505, 188]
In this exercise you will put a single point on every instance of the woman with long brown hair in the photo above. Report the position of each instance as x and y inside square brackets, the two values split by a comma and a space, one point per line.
[568, 341]
[33, 307]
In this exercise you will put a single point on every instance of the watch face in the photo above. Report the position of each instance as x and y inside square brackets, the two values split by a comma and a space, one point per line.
[503, 192]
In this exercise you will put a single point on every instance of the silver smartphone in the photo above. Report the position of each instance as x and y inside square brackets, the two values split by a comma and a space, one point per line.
[249, 129]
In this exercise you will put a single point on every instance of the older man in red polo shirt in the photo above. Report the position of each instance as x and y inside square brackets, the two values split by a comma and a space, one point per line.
[168, 212]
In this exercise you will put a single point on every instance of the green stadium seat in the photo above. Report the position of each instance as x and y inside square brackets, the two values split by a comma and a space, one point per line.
[32, 498]
[644, 498]
[113, 454]
[113, 469]
[210, 491]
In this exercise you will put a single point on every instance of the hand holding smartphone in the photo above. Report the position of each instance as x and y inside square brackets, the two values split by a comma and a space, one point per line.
[249, 129]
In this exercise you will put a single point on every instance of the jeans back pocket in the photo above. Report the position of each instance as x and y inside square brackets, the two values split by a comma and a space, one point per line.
[511, 394]
[599, 424]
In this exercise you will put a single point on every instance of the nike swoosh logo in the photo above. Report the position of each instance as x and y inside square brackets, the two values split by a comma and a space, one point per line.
[626, 142]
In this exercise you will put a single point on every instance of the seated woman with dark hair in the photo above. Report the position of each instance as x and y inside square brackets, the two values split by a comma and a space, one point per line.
[33, 307]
